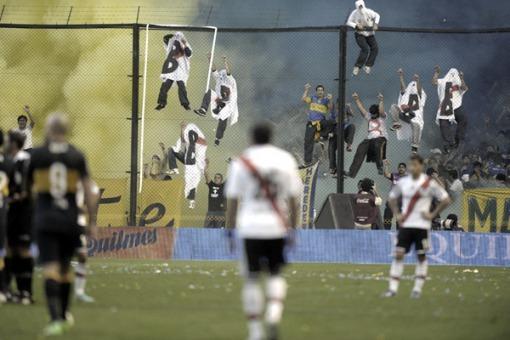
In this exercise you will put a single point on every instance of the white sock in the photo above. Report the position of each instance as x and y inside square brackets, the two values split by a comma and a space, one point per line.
[276, 291]
[253, 304]
[80, 279]
[420, 275]
[396, 270]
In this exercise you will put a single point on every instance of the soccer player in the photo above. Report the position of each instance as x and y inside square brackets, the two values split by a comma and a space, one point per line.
[25, 126]
[417, 191]
[408, 114]
[215, 217]
[55, 172]
[263, 194]
[320, 106]
[365, 21]
[190, 149]
[6, 168]
[80, 280]
[223, 98]
[175, 68]
[374, 146]
[450, 89]
[19, 260]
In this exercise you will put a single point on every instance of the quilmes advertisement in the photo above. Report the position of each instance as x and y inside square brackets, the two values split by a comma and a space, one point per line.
[159, 203]
[486, 210]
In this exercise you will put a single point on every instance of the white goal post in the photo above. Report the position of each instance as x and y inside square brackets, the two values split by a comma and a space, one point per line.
[144, 85]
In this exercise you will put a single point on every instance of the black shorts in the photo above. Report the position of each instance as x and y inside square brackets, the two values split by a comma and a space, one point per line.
[19, 225]
[409, 236]
[264, 255]
[57, 246]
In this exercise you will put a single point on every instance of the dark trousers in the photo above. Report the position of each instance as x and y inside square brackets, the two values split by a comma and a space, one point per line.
[166, 86]
[206, 100]
[376, 147]
[461, 119]
[369, 50]
[173, 157]
[448, 132]
[333, 147]
[309, 142]
[220, 130]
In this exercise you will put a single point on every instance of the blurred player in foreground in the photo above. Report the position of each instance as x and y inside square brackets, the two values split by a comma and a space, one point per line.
[81, 252]
[56, 170]
[417, 192]
[263, 193]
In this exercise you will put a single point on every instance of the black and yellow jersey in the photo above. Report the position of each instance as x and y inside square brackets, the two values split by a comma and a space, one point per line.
[55, 171]
[6, 168]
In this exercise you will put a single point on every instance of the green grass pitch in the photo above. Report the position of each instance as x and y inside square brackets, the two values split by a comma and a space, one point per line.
[200, 300]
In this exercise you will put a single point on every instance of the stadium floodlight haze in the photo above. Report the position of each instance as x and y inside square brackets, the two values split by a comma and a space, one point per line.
[260, 170]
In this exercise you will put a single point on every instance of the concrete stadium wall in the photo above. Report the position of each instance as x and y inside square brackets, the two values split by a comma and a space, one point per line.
[353, 246]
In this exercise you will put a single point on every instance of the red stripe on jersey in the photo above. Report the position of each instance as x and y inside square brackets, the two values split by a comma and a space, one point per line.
[415, 198]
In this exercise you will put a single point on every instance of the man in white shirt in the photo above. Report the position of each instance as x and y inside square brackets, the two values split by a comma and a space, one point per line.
[25, 127]
[417, 192]
[407, 114]
[190, 149]
[223, 99]
[450, 116]
[365, 21]
[374, 146]
[263, 194]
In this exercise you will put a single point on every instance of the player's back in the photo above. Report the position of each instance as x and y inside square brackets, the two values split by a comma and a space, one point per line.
[55, 171]
[257, 217]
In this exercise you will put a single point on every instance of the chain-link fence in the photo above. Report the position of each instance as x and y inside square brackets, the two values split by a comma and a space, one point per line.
[95, 74]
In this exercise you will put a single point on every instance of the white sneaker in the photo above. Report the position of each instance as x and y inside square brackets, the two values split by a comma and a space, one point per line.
[172, 172]
[415, 294]
[355, 71]
[389, 294]
[368, 69]
[192, 204]
[82, 297]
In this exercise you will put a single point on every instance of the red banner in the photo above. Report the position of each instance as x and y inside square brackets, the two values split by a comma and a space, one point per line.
[132, 243]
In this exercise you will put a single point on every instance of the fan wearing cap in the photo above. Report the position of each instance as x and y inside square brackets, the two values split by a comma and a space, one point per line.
[366, 205]
[365, 21]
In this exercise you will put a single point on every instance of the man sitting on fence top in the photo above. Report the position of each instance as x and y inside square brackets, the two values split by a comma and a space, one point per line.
[365, 21]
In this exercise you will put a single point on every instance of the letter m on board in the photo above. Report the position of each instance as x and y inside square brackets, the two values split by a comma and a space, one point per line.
[489, 212]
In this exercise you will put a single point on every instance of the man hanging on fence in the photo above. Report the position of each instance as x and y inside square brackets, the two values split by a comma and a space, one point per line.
[450, 115]
[223, 99]
[320, 106]
[190, 149]
[175, 68]
[365, 21]
[408, 114]
[374, 146]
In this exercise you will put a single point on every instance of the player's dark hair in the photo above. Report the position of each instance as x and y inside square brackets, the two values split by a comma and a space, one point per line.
[416, 157]
[319, 86]
[16, 138]
[374, 110]
[20, 117]
[218, 174]
[367, 184]
[454, 174]
[167, 38]
[402, 164]
[262, 133]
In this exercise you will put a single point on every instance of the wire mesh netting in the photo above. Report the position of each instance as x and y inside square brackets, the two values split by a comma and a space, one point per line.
[86, 72]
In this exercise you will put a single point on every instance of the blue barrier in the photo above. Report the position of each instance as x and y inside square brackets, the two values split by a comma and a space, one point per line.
[355, 246]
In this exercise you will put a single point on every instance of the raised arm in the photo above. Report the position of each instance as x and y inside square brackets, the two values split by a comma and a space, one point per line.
[330, 102]
[305, 96]
[206, 171]
[380, 97]
[228, 66]
[419, 87]
[435, 76]
[360, 106]
[463, 85]
[213, 67]
[376, 18]
[31, 120]
[400, 73]
[387, 170]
